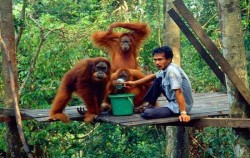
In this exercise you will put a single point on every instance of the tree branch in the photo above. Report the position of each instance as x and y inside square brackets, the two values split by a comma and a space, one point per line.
[209, 20]
[21, 28]
[15, 97]
[43, 38]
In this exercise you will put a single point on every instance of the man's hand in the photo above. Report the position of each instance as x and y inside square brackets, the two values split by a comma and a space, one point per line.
[129, 84]
[184, 118]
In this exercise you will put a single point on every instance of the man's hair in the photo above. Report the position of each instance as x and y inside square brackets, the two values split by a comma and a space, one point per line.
[166, 50]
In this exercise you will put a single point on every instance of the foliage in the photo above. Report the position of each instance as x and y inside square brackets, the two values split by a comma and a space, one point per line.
[246, 28]
[62, 29]
[202, 77]
[212, 142]
[98, 140]
[1, 84]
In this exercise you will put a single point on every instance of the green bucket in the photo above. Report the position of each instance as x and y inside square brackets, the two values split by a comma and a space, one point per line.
[122, 104]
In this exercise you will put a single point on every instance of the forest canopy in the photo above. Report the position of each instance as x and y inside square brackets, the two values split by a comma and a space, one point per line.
[53, 35]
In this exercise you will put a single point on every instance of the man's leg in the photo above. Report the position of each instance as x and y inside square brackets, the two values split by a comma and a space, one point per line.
[157, 112]
[154, 92]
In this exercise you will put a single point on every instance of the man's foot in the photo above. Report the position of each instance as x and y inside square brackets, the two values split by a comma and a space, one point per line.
[150, 105]
[141, 109]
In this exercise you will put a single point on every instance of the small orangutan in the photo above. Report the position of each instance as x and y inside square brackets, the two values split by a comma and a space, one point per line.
[122, 47]
[116, 86]
[88, 79]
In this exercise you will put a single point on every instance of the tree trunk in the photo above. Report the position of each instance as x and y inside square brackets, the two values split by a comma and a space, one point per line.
[177, 137]
[172, 32]
[171, 141]
[8, 47]
[234, 52]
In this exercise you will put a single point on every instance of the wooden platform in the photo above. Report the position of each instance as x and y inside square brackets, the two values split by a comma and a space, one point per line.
[206, 106]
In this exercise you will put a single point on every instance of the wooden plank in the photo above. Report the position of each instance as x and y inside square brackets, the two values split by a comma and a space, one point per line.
[73, 114]
[45, 112]
[213, 50]
[197, 120]
[7, 111]
[123, 120]
[217, 122]
[43, 115]
[197, 96]
[139, 121]
[200, 100]
[205, 105]
[220, 75]
[207, 109]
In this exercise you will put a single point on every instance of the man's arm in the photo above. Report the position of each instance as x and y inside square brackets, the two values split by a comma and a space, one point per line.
[181, 102]
[146, 79]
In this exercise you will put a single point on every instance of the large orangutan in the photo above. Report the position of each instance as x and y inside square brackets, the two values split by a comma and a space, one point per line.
[122, 47]
[115, 85]
[88, 79]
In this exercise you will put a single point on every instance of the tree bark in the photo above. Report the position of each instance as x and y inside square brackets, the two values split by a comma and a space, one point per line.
[177, 137]
[234, 52]
[8, 42]
[172, 32]
[171, 151]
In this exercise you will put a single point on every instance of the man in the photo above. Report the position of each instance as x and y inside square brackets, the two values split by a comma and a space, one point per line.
[172, 82]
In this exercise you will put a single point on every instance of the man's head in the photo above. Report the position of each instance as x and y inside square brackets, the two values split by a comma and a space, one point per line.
[162, 57]
[168, 53]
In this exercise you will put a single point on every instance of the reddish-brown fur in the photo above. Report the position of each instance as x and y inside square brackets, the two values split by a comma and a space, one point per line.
[139, 91]
[82, 80]
[110, 41]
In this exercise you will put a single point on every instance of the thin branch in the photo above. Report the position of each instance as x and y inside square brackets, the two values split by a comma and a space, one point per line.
[91, 131]
[33, 64]
[35, 21]
[43, 38]
[22, 18]
[123, 7]
[197, 142]
[209, 20]
[15, 97]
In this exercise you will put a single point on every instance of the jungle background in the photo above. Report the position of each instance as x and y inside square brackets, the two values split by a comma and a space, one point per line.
[56, 34]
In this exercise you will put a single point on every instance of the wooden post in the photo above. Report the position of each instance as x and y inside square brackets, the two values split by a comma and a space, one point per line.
[213, 50]
[198, 46]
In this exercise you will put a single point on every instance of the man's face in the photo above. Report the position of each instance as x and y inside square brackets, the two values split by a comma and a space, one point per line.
[160, 61]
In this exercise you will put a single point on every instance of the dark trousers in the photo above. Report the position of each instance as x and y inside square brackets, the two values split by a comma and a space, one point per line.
[154, 92]
[151, 97]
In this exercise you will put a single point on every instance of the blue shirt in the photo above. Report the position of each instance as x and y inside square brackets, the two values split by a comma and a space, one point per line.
[173, 77]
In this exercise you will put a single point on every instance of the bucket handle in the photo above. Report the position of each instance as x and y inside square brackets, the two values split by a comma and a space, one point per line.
[131, 101]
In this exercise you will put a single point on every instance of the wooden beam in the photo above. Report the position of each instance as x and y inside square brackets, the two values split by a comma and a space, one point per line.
[217, 122]
[213, 50]
[217, 71]
[7, 111]
[137, 120]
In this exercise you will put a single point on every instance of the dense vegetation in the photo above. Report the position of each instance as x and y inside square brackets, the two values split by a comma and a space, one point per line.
[56, 35]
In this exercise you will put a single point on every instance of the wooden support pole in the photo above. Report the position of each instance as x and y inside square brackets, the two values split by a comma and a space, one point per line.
[213, 50]
[220, 75]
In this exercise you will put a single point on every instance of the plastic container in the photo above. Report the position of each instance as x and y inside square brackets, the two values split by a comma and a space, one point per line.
[122, 104]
